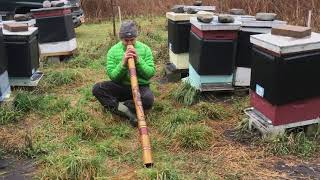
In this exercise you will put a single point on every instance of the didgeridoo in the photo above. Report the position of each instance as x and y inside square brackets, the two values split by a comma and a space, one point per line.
[142, 125]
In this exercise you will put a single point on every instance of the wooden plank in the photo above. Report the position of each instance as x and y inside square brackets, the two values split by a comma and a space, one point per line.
[15, 27]
[291, 31]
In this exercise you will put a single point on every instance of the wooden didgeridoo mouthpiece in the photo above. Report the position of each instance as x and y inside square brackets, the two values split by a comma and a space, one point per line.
[142, 125]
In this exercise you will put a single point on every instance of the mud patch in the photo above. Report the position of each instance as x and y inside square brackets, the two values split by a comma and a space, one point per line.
[247, 138]
[15, 169]
[300, 171]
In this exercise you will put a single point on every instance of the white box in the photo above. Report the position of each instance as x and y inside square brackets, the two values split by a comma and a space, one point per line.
[242, 77]
[58, 47]
[181, 61]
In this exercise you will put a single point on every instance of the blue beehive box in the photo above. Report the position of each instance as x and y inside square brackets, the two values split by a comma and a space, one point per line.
[209, 82]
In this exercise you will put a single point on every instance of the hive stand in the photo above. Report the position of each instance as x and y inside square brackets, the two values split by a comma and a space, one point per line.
[32, 81]
[264, 125]
[172, 74]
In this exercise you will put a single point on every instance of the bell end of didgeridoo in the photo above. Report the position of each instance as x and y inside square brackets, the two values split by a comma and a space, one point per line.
[148, 165]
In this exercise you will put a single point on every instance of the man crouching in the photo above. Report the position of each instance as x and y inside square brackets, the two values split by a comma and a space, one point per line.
[116, 95]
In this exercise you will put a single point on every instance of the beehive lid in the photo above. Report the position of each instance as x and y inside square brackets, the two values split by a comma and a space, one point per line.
[23, 33]
[30, 23]
[242, 18]
[179, 16]
[184, 16]
[215, 25]
[201, 8]
[255, 23]
[256, 30]
[286, 45]
[50, 9]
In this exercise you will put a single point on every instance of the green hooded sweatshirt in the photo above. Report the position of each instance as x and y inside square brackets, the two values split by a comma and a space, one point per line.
[145, 65]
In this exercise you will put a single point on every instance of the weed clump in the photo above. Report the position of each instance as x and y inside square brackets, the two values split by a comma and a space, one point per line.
[194, 136]
[186, 94]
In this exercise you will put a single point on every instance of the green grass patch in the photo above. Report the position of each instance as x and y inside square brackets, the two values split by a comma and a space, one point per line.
[82, 166]
[186, 94]
[170, 123]
[108, 148]
[9, 115]
[214, 111]
[194, 136]
[294, 144]
[162, 106]
[43, 104]
[163, 172]
[240, 104]
[76, 114]
[60, 78]
[90, 129]
[41, 142]
[77, 164]
[121, 130]
[86, 95]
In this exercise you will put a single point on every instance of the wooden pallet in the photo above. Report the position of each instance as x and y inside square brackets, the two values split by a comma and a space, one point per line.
[54, 58]
[264, 125]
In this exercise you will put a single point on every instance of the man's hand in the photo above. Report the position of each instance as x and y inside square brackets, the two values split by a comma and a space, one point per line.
[130, 53]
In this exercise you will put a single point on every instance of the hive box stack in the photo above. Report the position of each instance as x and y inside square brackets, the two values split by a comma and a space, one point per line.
[23, 56]
[250, 26]
[179, 27]
[4, 79]
[284, 81]
[212, 54]
[56, 32]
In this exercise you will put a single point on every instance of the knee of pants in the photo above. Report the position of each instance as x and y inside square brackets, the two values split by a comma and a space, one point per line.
[148, 101]
[96, 89]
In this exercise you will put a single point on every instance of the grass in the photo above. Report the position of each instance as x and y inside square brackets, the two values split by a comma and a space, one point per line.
[165, 172]
[64, 77]
[213, 111]
[194, 136]
[45, 105]
[181, 117]
[294, 144]
[76, 114]
[66, 131]
[9, 115]
[186, 94]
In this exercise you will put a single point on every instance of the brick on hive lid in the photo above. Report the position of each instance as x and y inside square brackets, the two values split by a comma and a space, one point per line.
[291, 31]
[15, 27]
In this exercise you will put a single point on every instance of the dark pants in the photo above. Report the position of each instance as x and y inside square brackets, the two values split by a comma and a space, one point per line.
[110, 93]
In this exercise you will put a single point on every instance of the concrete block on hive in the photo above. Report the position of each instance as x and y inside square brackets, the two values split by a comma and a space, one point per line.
[15, 27]
[291, 31]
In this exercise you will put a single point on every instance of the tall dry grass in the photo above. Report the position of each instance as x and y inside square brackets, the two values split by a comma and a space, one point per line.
[293, 11]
